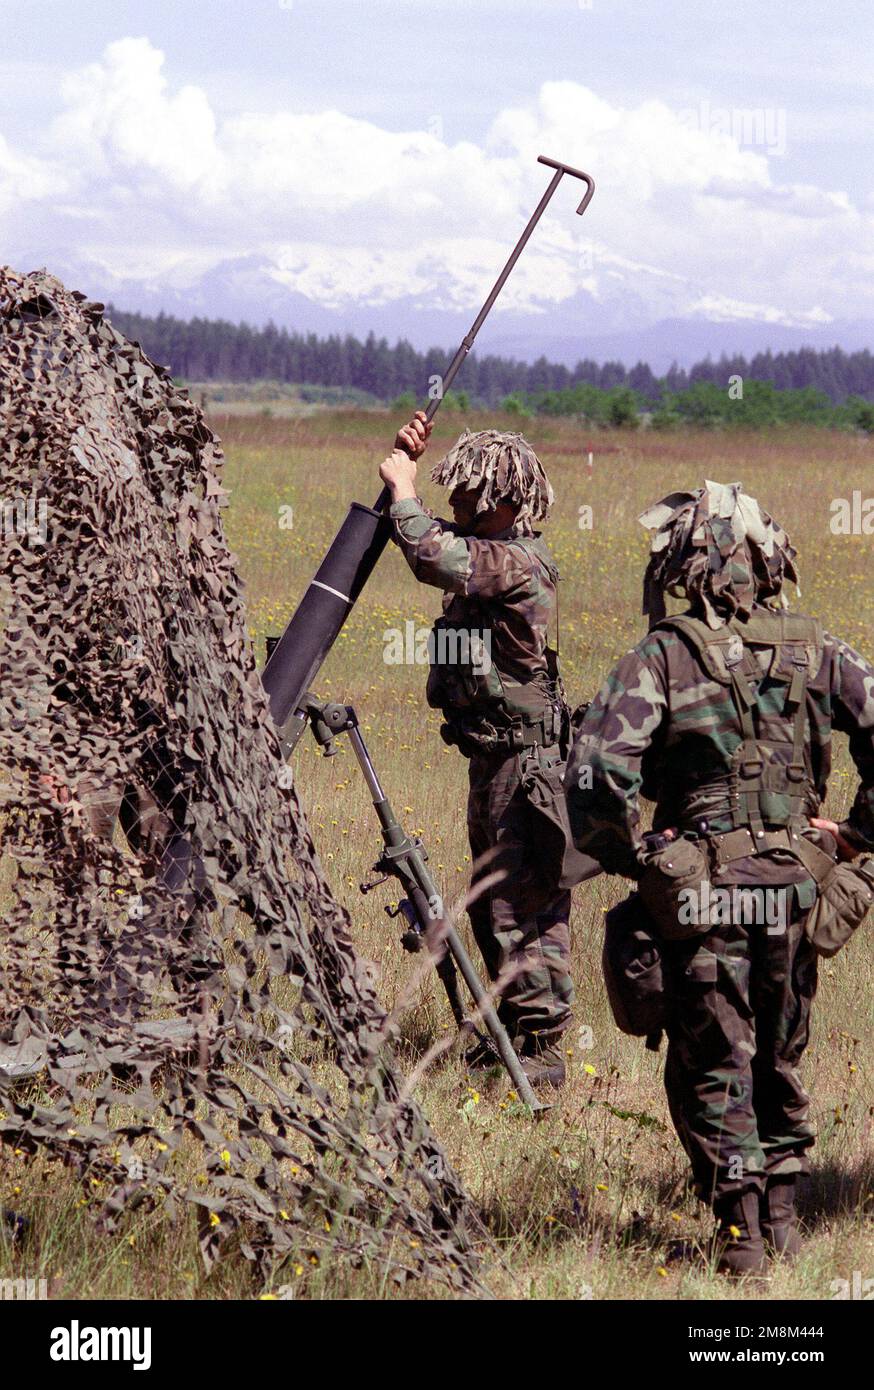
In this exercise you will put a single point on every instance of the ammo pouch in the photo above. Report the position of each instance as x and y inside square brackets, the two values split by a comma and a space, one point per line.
[845, 897]
[633, 974]
[462, 675]
[670, 888]
[563, 865]
[487, 712]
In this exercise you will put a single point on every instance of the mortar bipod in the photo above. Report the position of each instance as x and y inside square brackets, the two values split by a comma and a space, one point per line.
[404, 858]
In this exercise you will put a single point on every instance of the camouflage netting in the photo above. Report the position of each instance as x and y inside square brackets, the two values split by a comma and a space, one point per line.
[718, 548]
[171, 1037]
[502, 468]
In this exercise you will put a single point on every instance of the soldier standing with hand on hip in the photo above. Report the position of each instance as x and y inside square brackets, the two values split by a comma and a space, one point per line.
[496, 680]
[723, 716]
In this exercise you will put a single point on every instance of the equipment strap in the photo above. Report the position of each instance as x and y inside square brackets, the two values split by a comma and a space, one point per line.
[795, 700]
[752, 763]
[743, 842]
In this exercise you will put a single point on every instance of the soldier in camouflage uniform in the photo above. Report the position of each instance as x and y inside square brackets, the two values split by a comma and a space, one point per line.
[723, 718]
[496, 681]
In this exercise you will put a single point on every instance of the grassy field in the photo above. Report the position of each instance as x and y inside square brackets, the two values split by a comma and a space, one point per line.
[591, 1202]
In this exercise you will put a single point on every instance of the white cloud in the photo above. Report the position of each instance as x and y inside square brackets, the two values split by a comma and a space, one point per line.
[143, 180]
[24, 179]
[121, 123]
[722, 309]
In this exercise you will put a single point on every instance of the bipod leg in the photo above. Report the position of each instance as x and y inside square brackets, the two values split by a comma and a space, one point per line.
[404, 858]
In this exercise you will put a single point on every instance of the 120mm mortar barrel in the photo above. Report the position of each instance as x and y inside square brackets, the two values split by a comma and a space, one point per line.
[321, 613]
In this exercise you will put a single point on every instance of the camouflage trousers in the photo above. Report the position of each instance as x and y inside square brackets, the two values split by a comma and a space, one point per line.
[520, 924]
[145, 825]
[741, 1000]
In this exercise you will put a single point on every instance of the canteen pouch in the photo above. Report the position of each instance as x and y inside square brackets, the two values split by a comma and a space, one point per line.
[562, 864]
[670, 887]
[845, 897]
[633, 972]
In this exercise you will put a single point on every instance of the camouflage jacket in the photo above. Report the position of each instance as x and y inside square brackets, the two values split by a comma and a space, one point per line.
[661, 727]
[507, 584]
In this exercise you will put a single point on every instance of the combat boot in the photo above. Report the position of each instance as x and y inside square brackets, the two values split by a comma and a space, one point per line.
[778, 1217]
[740, 1248]
[543, 1065]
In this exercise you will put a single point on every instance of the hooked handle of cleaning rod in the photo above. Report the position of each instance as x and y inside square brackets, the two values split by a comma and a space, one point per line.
[467, 342]
[575, 173]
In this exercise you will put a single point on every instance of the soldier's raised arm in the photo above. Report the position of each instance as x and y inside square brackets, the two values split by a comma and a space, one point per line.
[456, 564]
[489, 500]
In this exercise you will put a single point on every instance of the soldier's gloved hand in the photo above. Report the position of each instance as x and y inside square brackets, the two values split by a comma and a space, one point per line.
[413, 438]
[844, 848]
[398, 472]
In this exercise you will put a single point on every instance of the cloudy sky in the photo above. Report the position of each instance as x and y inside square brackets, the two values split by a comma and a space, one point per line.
[371, 162]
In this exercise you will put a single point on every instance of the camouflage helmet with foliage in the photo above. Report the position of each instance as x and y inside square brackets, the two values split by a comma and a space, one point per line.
[500, 468]
[720, 550]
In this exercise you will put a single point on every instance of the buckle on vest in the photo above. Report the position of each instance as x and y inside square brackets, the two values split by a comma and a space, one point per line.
[796, 773]
[751, 767]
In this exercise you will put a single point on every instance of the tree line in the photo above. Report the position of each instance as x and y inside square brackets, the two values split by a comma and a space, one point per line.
[201, 349]
[746, 404]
